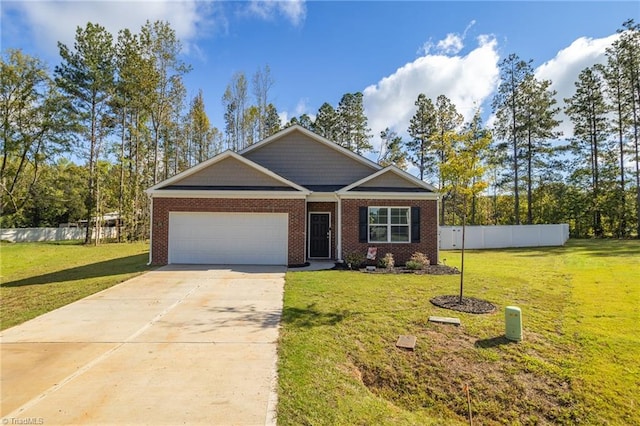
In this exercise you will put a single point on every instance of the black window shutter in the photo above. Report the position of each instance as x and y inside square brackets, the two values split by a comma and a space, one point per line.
[415, 224]
[362, 224]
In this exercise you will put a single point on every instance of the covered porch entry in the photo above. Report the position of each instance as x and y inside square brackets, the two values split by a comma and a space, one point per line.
[321, 230]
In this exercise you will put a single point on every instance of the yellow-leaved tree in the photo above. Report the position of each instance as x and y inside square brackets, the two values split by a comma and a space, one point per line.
[464, 170]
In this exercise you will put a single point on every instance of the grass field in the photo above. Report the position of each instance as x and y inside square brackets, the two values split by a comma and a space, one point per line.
[579, 362]
[39, 277]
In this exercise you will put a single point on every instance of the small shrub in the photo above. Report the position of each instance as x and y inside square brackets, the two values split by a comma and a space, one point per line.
[418, 261]
[413, 265]
[354, 259]
[387, 261]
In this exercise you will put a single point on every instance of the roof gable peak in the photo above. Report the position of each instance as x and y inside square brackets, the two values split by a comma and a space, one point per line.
[315, 137]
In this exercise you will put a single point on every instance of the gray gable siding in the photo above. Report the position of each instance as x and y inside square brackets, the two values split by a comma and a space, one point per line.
[308, 162]
[388, 180]
[229, 172]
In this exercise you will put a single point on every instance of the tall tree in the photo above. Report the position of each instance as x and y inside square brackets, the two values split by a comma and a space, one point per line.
[391, 152]
[588, 112]
[201, 134]
[447, 120]
[623, 88]
[234, 101]
[262, 83]
[36, 125]
[507, 105]
[353, 131]
[326, 123]
[478, 135]
[272, 121]
[421, 129]
[133, 89]
[86, 76]
[536, 116]
[163, 47]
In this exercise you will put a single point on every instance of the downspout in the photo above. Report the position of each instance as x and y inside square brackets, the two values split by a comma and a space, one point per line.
[150, 229]
[339, 230]
[306, 228]
[438, 228]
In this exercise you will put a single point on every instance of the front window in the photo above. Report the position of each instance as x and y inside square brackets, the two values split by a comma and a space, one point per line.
[389, 224]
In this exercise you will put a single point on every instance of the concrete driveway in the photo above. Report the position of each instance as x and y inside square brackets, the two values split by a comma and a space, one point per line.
[178, 345]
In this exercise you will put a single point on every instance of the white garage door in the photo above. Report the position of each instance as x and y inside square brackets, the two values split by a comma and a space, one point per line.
[228, 238]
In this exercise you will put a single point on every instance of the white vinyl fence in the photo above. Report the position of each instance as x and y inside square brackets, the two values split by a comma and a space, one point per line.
[23, 235]
[484, 237]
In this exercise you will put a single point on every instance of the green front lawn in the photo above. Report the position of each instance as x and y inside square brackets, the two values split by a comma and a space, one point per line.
[39, 277]
[579, 362]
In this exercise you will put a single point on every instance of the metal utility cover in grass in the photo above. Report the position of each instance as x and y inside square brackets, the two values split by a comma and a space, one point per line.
[445, 320]
[406, 342]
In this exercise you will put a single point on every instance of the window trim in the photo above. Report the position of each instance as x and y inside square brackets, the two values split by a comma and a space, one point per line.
[408, 225]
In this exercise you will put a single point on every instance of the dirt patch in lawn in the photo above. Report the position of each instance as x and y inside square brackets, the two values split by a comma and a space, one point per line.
[446, 360]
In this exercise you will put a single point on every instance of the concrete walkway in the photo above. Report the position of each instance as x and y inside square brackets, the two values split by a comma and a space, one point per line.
[178, 345]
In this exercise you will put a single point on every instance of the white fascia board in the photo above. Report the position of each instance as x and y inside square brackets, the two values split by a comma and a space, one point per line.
[315, 137]
[322, 197]
[270, 195]
[226, 154]
[389, 169]
[390, 195]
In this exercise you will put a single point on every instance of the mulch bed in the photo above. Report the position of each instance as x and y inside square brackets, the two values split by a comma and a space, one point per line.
[431, 270]
[469, 305]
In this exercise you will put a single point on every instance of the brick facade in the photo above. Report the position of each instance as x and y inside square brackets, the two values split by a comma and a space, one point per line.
[401, 251]
[162, 206]
[297, 210]
[326, 207]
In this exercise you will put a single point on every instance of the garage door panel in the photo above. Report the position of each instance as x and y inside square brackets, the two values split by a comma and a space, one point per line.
[228, 238]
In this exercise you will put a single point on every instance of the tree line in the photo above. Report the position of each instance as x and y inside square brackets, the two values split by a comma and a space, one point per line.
[119, 105]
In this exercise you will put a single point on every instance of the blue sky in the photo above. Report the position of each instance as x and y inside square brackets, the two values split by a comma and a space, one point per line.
[319, 50]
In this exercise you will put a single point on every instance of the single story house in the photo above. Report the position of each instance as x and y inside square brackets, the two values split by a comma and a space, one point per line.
[290, 198]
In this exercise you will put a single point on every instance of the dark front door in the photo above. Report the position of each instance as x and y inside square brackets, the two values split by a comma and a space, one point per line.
[319, 235]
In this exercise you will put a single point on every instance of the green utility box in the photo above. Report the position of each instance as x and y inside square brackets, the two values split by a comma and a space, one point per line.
[513, 323]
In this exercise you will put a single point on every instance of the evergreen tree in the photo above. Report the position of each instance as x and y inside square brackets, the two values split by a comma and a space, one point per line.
[353, 132]
[507, 105]
[588, 112]
[86, 76]
[326, 123]
[537, 118]
[623, 88]
[272, 121]
[421, 129]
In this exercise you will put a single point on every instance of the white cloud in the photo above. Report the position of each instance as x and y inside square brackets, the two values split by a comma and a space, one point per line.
[450, 45]
[294, 10]
[466, 80]
[302, 107]
[564, 68]
[53, 21]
